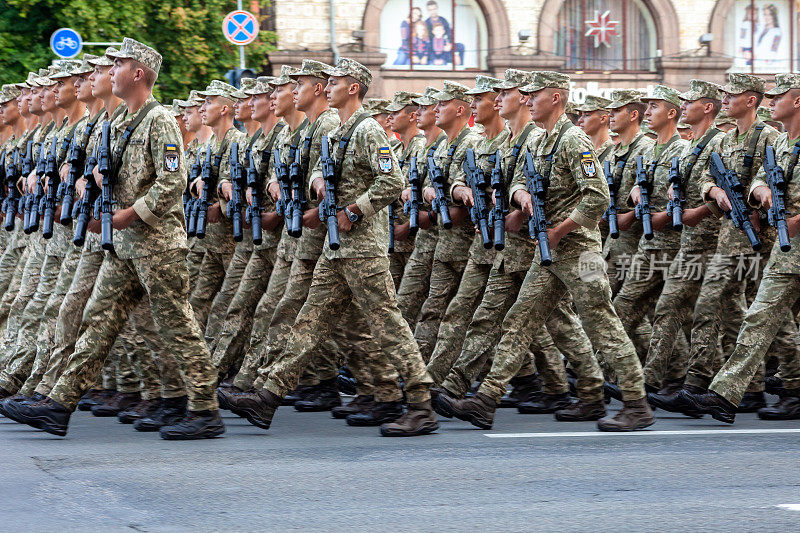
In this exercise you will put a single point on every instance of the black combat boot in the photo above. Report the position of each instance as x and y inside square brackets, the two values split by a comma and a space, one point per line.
[93, 397]
[674, 403]
[195, 425]
[18, 398]
[303, 392]
[359, 404]
[545, 403]
[326, 398]
[524, 389]
[171, 411]
[381, 413]
[143, 409]
[710, 403]
[120, 402]
[752, 402]
[787, 408]
[47, 415]
[419, 419]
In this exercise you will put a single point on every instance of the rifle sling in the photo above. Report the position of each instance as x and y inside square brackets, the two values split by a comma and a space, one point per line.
[451, 152]
[515, 152]
[651, 171]
[792, 162]
[691, 161]
[126, 135]
[751, 148]
[343, 142]
[604, 153]
[549, 158]
[623, 161]
[266, 153]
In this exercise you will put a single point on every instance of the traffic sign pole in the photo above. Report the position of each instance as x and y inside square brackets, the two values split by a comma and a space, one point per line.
[241, 47]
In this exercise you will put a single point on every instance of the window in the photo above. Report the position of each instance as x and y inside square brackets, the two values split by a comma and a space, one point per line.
[433, 35]
[760, 34]
[606, 35]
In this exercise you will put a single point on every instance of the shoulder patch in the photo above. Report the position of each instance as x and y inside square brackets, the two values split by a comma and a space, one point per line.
[172, 158]
[385, 163]
[588, 165]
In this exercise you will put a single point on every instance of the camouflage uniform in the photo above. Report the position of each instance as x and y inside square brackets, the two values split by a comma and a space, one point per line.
[452, 247]
[724, 283]
[776, 301]
[675, 307]
[359, 270]
[149, 257]
[648, 267]
[578, 191]
[239, 317]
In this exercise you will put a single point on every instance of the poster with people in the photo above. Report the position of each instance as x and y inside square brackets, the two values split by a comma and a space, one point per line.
[762, 33]
[432, 34]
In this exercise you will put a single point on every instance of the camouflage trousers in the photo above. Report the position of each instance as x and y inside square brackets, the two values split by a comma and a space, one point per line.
[140, 373]
[235, 332]
[640, 290]
[29, 282]
[336, 283]
[444, 282]
[541, 291]
[69, 317]
[415, 284]
[120, 286]
[14, 284]
[22, 350]
[219, 305]
[562, 326]
[256, 349]
[42, 346]
[194, 258]
[8, 265]
[208, 283]
[301, 278]
[397, 265]
[775, 303]
[456, 319]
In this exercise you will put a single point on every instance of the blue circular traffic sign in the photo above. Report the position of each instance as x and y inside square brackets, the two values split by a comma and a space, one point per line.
[240, 27]
[66, 42]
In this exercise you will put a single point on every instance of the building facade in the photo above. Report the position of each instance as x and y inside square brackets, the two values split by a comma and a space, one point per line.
[602, 44]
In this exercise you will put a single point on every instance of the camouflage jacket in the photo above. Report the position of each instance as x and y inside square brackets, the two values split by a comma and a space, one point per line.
[426, 239]
[732, 149]
[371, 179]
[658, 177]
[783, 262]
[520, 249]
[268, 140]
[578, 189]
[147, 182]
[454, 244]
[287, 246]
[219, 236]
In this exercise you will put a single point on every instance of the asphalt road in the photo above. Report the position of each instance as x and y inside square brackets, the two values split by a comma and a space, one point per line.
[310, 472]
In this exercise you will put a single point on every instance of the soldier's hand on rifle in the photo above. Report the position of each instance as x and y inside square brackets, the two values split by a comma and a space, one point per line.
[793, 225]
[311, 218]
[401, 231]
[405, 196]
[31, 185]
[428, 194]
[249, 196]
[636, 195]
[196, 186]
[64, 172]
[524, 201]
[658, 220]
[763, 195]
[275, 191]
[626, 220]
[270, 221]
[721, 198]
[515, 220]
[344, 222]
[227, 190]
[756, 221]
[463, 195]
[123, 218]
[94, 226]
[214, 213]
[319, 187]
[80, 187]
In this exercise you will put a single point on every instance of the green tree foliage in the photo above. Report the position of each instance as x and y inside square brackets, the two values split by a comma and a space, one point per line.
[188, 33]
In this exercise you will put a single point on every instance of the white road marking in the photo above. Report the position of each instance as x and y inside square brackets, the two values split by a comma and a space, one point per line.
[789, 506]
[641, 433]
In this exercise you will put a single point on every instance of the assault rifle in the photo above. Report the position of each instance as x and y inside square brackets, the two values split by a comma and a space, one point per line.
[611, 213]
[52, 177]
[479, 212]
[497, 216]
[411, 207]
[85, 206]
[728, 181]
[297, 179]
[327, 207]
[676, 205]
[537, 225]
[643, 207]
[253, 211]
[284, 205]
[234, 209]
[777, 186]
[201, 205]
[439, 203]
